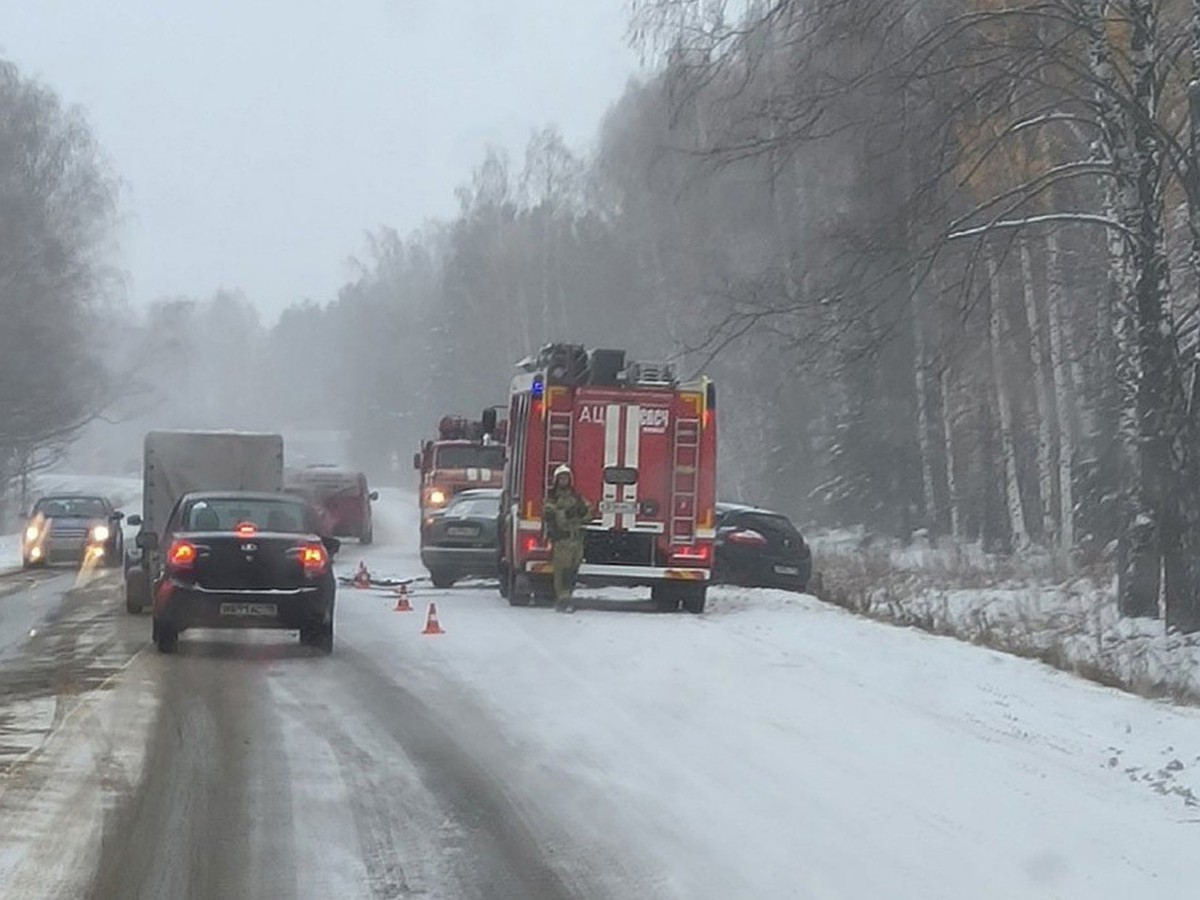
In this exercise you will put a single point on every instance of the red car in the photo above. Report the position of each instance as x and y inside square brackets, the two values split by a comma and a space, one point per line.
[340, 495]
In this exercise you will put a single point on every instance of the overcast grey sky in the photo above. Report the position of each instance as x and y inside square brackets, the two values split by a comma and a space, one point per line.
[259, 139]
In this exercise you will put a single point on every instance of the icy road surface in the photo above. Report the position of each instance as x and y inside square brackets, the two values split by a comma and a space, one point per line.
[774, 747]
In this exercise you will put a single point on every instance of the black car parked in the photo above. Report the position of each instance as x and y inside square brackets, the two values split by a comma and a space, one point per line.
[462, 539]
[242, 560]
[760, 548]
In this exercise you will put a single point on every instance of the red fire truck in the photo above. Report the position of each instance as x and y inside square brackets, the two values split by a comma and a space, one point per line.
[643, 449]
[467, 454]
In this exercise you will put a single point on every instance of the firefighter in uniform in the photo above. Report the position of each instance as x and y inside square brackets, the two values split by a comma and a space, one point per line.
[565, 514]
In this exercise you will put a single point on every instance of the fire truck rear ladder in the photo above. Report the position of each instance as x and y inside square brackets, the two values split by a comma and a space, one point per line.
[558, 443]
[683, 480]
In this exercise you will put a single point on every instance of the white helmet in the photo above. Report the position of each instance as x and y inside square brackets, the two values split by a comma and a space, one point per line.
[564, 469]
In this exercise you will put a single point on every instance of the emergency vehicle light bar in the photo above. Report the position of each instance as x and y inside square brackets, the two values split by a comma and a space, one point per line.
[654, 373]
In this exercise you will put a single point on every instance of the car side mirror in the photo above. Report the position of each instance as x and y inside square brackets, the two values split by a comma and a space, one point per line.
[332, 545]
[374, 495]
[147, 540]
[417, 461]
[134, 520]
[117, 516]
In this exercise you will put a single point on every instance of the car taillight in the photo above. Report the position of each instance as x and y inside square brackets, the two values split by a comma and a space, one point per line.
[695, 554]
[747, 537]
[246, 529]
[182, 555]
[314, 559]
[531, 543]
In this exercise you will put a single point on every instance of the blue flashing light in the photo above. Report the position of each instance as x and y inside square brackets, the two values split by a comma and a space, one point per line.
[537, 388]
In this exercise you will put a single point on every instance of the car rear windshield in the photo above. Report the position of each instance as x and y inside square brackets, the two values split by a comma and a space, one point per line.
[489, 457]
[226, 513]
[335, 490]
[71, 507]
[768, 522]
[475, 507]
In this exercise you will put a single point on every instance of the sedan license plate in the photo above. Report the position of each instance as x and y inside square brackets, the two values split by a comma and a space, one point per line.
[462, 530]
[618, 508]
[786, 570]
[263, 610]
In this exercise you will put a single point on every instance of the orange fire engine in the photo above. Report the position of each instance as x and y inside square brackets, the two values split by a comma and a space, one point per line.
[466, 454]
[643, 449]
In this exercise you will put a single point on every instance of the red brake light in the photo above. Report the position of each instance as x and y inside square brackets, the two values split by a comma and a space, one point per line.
[531, 543]
[182, 555]
[746, 537]
[314, 559]
[246, 529]
[697, 554]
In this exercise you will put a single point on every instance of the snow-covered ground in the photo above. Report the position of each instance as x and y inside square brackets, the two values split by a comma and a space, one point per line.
[780, 747]
[1028, 605]
[775, 747]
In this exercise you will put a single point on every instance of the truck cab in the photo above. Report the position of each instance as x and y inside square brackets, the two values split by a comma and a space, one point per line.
[466, 455]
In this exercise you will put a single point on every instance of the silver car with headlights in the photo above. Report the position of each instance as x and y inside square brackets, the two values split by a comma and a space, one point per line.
[72, 528]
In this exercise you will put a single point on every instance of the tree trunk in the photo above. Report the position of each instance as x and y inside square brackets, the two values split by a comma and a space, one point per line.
[1041, 398]
[948, 441]
[1063, 391]
[920, 373]
[1183, 608]
[1012, 487]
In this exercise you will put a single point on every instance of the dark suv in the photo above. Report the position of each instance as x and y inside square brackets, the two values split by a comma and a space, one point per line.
[462, 539]
[67, 527]
[760, 548]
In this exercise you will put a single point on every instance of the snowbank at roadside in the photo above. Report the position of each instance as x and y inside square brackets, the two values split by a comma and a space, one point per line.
[1024, 606]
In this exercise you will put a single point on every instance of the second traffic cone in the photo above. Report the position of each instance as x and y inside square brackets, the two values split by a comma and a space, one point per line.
[402, 604]
[362, 578]
[432, 626]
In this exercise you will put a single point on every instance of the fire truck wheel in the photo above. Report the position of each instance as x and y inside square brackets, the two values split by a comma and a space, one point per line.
[665, 597]
[694, 599]
[543, 591]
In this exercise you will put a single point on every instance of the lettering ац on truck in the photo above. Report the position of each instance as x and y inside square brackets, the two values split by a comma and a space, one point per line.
[643, 449]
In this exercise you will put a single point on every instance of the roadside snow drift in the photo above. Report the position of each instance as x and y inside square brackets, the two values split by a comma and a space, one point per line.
[779, 747]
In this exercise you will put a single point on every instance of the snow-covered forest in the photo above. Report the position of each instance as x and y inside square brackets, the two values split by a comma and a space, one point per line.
[942, 257]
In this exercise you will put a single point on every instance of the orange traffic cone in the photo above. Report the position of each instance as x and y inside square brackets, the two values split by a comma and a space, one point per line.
[432, 626]
[362, 578]
[402, 604]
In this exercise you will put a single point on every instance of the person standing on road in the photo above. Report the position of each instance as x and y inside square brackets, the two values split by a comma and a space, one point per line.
[565, 514]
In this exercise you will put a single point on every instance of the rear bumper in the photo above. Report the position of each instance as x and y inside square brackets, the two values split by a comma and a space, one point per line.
[595, 573]
[182, 606]
[764, 573]
[464, 560]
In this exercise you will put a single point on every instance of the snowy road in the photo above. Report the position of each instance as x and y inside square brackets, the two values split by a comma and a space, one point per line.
[774, 747]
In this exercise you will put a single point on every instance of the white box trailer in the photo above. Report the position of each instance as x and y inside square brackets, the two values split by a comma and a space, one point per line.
[175, 463]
